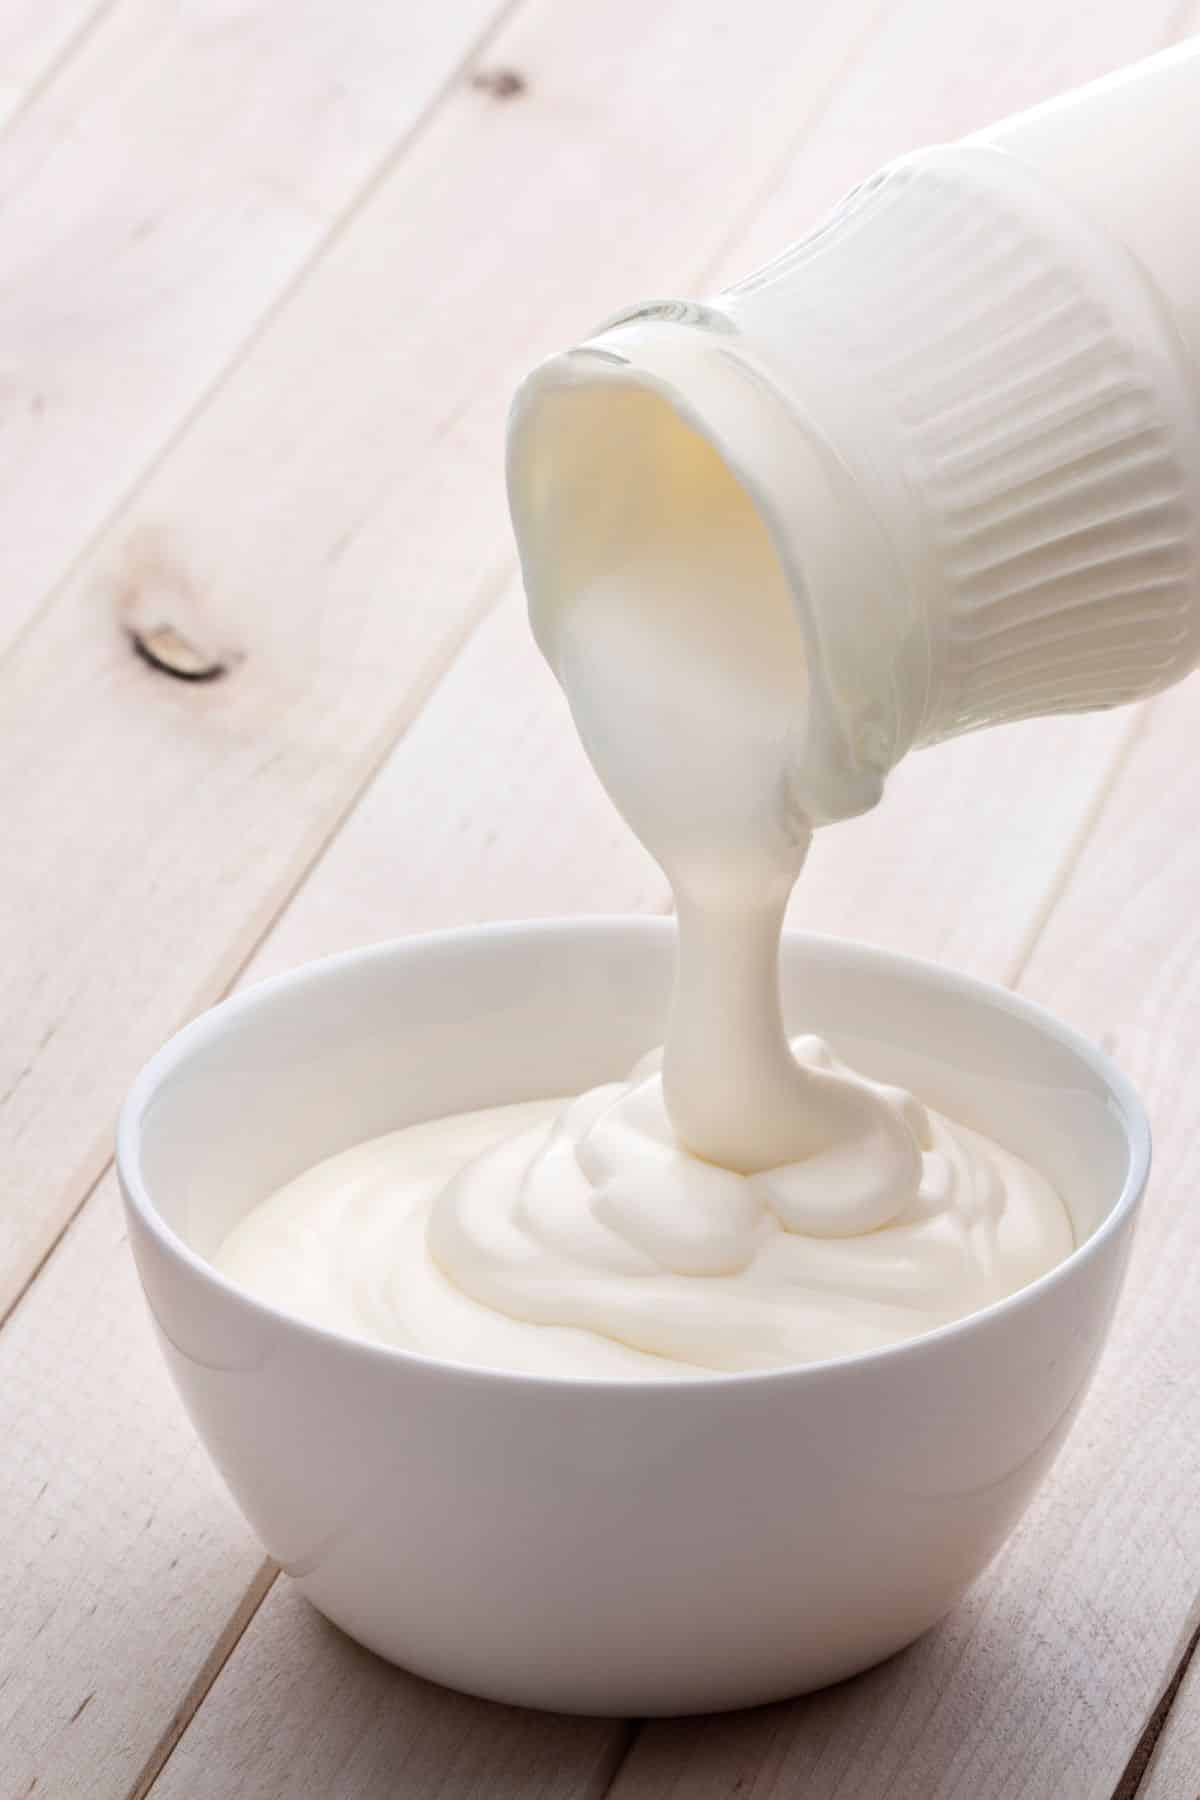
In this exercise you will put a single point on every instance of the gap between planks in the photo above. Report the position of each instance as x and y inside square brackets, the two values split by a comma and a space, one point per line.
[1173, 1764]
[1138, 1778]
[253, 1596]
[64, 52]
[598, 1786]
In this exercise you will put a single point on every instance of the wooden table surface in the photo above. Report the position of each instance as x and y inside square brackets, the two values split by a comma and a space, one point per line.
[271, 268]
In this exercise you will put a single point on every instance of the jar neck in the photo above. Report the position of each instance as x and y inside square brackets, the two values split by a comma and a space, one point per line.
[841, 574]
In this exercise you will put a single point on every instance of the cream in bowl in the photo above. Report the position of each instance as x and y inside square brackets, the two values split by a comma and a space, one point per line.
[579, 1237]
[593, 1542]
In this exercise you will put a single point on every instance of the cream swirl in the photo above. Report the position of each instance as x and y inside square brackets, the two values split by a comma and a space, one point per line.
[576, 1239]
[603, 1223]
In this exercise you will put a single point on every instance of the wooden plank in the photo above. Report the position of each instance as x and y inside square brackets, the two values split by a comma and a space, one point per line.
[219, 795]
[488, 809]
[377, 1731]
[161, 193]
[1173, 1772]
[337, 518]
[36, 39]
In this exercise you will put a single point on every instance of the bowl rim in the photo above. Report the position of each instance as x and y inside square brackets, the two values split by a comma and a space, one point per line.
[1123, 1099]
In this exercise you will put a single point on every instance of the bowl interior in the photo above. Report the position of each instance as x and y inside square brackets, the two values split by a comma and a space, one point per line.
[307, 1065]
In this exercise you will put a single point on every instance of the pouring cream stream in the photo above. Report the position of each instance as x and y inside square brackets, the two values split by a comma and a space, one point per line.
[684, 666]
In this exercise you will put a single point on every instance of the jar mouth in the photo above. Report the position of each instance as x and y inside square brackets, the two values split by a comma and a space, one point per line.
[831, 556]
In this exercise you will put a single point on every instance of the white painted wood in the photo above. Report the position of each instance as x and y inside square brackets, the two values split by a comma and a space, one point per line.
[1173, 1772]
[159, 196]
[339, 514]
[36, 38]
[300, 1710]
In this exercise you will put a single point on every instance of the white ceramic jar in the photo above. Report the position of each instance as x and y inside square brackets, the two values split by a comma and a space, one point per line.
[967, 408]
[599, 1546]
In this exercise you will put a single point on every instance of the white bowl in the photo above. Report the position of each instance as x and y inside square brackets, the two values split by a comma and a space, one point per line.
[604, 1546]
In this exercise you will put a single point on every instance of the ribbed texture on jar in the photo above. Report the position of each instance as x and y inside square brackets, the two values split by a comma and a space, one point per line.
[1030, 431]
